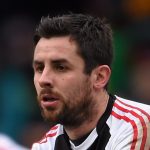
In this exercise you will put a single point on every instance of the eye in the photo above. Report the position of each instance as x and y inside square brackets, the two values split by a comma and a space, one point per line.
[60, 67]
[39, 68]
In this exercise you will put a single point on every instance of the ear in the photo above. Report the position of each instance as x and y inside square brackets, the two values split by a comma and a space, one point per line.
[101, 76]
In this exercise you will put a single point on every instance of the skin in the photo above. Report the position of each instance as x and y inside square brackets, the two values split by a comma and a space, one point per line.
[77, 100]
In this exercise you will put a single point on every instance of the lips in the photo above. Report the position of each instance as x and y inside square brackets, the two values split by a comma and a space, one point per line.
[48, 101]
[47, 98]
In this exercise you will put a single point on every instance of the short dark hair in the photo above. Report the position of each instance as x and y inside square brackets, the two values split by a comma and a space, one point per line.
[92, 34]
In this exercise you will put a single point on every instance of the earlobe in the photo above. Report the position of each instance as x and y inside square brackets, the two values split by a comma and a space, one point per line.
[102, 75]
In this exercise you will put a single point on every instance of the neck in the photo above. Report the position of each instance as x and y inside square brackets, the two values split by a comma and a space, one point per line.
[89, 125]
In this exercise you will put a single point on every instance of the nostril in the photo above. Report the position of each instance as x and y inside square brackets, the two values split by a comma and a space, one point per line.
[49, 85]
[44, 84]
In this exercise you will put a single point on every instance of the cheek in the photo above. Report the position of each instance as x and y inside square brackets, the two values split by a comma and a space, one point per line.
[68, 84]
[36, 85]
[75, 87]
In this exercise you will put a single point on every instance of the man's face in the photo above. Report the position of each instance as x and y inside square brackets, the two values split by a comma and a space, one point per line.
[64, 91]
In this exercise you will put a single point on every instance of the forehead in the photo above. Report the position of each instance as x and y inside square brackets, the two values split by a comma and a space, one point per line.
[60, 45]
[57, 48]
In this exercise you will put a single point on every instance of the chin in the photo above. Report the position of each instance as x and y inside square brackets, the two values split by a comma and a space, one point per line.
[50, 116]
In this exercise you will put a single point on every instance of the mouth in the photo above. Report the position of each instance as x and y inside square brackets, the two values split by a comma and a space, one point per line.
[47, 98]
[49, 101]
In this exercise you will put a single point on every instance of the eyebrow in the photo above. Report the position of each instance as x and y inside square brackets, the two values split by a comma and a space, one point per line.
[57, 61]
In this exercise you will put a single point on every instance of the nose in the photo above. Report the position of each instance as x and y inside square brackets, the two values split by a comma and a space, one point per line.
[45, 80]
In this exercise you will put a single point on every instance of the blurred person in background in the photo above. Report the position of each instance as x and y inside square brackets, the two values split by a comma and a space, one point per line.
[6, 143]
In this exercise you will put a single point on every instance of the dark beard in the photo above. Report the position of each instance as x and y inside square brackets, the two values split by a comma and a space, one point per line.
[77, 109]
[75, 116]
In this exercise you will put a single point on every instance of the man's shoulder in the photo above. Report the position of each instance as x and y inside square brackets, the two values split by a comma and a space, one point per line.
[129, 115]
[49, 138]
[129, 124]
[129, 111]
[127, 105]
